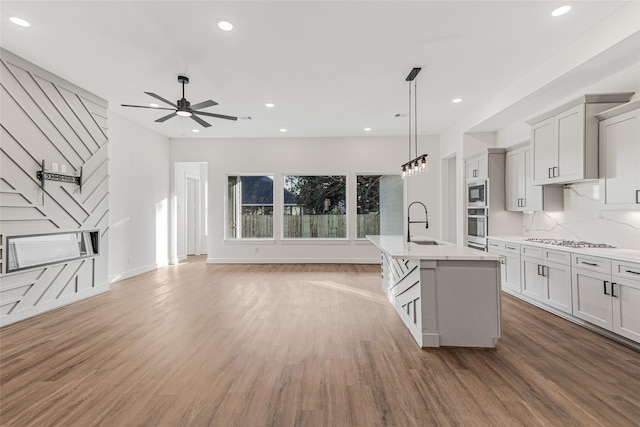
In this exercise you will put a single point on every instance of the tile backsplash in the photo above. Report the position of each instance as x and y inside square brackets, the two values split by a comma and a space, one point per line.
[586, 217]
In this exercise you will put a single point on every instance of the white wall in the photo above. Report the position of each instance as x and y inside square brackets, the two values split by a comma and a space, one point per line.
[278, 157]
[139, 172]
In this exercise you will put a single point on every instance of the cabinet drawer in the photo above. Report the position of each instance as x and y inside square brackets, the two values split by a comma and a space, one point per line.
[531, 251]
[592, 263]
[512, 248]
[559, 257]
[495, 246]
[626, 269]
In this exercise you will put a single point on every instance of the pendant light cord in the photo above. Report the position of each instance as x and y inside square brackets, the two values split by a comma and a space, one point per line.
[409, 120]
[415, 112]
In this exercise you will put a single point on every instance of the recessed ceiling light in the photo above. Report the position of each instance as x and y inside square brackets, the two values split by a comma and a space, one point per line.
[283, 130]
[225, 25]
[367, 129]
[457, 100]
[19, 21]
[561, 10]
[269, 105]
[195, 130]
[153, 104]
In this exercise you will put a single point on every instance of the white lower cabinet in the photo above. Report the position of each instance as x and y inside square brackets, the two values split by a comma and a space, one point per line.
[609, 299]
[601, 291]
[592, 297]
[546, 277]
[509, 264]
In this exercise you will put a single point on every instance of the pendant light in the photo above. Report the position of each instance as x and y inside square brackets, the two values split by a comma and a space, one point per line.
[419, 163]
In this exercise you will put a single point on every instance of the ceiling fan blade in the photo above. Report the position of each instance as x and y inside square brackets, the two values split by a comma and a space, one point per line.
[159, 98]
[204, 104]
[199, 120]
[220, 116]
[146, 106]
[167, 117]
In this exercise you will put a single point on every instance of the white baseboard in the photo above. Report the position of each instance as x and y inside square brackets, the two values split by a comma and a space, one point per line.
[131, 273]
[52, 305]
[293, 260]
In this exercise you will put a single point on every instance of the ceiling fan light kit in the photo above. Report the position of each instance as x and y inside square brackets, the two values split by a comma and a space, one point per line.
[183, 108]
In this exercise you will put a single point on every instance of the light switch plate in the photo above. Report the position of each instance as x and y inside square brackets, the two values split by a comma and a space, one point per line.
[54, 167]
[63, 168]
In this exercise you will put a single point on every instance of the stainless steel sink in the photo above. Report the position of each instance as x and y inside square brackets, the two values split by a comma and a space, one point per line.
[425, 242]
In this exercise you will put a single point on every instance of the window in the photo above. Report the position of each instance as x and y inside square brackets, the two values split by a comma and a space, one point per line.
[379, 205]
[315, 206]
[249, 207]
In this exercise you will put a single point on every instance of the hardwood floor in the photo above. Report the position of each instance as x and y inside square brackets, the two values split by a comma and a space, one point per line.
[297, 345]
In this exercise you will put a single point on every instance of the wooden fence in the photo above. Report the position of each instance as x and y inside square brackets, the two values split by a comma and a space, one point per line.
[309, 226]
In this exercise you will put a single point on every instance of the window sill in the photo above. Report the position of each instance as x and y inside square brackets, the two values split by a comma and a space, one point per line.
[317, 241]
[250, 241]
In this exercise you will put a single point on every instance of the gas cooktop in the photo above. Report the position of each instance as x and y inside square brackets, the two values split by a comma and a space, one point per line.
[568, 243]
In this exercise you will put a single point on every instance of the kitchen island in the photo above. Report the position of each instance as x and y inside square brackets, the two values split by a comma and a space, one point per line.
[446, 295]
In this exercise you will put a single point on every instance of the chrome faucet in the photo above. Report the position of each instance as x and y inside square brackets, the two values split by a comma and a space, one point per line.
[409, 222]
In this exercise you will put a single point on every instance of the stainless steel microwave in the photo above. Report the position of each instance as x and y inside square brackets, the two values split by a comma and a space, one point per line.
[477, 193]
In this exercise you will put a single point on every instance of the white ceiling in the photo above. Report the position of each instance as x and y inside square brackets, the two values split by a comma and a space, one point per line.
[331, 67]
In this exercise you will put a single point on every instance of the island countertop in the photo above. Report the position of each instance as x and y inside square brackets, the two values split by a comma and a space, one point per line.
[397, 247]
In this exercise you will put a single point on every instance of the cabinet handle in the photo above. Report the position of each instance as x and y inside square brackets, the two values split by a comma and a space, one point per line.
[632, 272]
[589, 263]
[637, 196]
[613, 294]
[555, 172]
[502, 261]
[539, 270]
[524, 202]
[513, 249]
[605, 287]
[550, 172]
[544, 274]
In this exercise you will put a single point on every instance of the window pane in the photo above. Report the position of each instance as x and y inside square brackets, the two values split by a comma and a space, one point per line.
[315, 206]
[379, 204]
[250, 207]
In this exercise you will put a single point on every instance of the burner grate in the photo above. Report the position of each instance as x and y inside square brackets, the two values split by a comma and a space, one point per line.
[568, 243]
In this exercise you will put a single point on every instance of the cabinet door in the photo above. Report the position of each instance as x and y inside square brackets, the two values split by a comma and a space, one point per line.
[515, 181]
[592, 297]
[545, 150]
[620, 157]
[483, 168]
[532, 193]
[558, 286]
[511, 272]
[471, 169]
[533, 284]
[569, 128]
[626, 307]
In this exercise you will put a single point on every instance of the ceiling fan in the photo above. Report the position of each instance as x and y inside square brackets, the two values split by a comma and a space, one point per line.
[183, 108]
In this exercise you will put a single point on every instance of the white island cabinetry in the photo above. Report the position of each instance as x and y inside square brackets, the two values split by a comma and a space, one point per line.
[446, 295]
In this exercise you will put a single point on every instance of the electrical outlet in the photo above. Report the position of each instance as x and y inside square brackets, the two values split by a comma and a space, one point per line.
[54, 167]
[63, 168]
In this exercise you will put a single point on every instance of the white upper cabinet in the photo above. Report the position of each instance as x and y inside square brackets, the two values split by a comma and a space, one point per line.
[565, 140]
[620, 156]
[477, 168]
[521, 193]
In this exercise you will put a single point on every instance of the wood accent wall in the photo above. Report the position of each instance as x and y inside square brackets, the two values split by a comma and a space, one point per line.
[43, 117]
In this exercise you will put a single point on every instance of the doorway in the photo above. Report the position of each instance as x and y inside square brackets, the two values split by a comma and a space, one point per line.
[193, 216]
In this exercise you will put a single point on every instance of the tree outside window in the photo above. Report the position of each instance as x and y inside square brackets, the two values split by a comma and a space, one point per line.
[315, 206]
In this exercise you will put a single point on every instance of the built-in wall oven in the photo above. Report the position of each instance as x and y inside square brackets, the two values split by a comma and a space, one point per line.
[477, 193]
[477, 228]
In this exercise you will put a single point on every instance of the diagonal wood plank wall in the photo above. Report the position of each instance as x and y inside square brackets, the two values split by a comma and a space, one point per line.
[45, 117]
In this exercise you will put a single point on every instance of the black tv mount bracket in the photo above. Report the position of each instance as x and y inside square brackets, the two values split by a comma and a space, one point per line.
[44, 175]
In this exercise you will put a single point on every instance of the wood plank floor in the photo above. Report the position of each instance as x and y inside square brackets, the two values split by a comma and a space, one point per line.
[297, 345]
